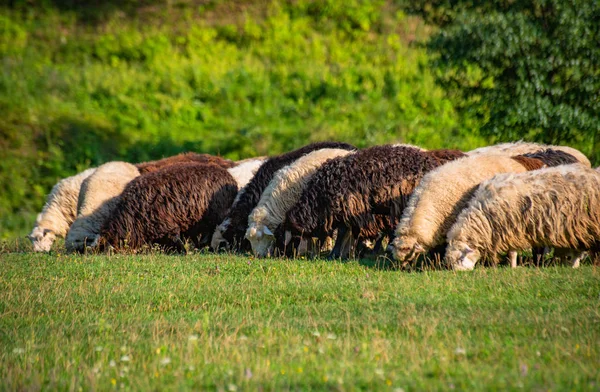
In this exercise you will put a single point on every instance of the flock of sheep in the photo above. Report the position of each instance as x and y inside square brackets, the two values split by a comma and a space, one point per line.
[331, 196]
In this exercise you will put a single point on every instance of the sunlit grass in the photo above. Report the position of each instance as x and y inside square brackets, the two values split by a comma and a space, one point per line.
[229, 323]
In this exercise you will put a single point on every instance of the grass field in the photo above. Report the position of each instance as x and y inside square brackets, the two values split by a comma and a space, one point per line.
[201, 321]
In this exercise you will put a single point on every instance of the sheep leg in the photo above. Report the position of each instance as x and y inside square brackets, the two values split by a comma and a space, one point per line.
[342, 244]
[178, 243]
[379, 244]
[577, 260]
[538, 255]
[342, 232]
[512, 256]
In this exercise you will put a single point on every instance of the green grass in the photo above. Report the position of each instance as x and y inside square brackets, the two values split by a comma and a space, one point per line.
[159, 322]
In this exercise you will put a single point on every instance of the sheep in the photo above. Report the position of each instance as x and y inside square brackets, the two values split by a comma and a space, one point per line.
[444, 192]
[557, 207]
[152, 166]
[97, 200]
[178, 202]
[245, 170]
[230, 233]
[364, 192]
[280, 195]
[520, 147]
[58, 213]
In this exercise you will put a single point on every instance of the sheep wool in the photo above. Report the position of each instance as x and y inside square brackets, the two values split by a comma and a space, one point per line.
[280, 195]
[245, 170]
[444, 193]
[230, 233]
[58, 213]
[98, 198]
[166, 207]
[519, 148]
[555, 207]
[186, 157]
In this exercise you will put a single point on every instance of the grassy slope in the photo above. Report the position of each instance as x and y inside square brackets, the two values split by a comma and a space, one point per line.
[226, 322]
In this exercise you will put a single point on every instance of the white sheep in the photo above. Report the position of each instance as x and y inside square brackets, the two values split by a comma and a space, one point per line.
[245, 169]
[521, 147]
[444, 192]
[58, 213]
[556, 207]
[281, 194]
[97, 200]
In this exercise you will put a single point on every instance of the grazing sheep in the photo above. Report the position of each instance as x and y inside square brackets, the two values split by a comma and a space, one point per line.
[152, 166]
[97, 200]
[181, 201]
[58, 213]
[365, 192]
[281, 194]
[444, 193]
[230, 233]
[520, 147]
[556, 207]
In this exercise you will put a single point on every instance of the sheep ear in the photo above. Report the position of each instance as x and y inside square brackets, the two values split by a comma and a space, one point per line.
[267, 231]
[288, 237]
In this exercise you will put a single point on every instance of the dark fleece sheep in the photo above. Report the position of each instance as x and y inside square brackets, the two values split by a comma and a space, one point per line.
[181, 201]
[152, 166]
[366, 192]
[551, 157]
[231, 232]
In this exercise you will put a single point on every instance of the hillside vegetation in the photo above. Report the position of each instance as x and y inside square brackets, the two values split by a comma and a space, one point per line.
[82, 84]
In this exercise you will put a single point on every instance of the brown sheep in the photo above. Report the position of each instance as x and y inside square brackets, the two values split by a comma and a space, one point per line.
[181, 201]
[152, 166]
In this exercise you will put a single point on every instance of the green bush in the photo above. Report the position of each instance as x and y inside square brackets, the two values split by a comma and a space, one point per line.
[275, 75]
[528, 69]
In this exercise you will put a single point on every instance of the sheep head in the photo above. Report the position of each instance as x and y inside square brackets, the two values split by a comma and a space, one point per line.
[405, 249]
[41, 239]
[461, 256]
[262, 240]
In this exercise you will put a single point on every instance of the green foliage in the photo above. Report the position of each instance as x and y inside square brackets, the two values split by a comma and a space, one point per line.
[260, 79]
[529, 68]
[215, 322]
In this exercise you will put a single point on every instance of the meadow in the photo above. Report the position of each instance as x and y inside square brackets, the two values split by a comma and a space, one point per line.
[225, 322]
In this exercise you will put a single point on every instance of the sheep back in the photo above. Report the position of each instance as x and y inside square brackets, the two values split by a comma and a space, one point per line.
[519, 148]
[186, 157]
[244, 170]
